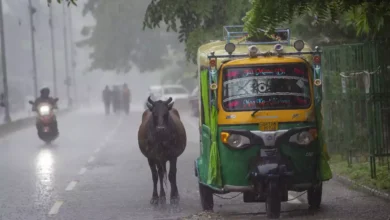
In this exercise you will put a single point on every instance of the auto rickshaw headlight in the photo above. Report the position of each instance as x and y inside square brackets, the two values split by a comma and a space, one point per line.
[234, 140]
[304, 138]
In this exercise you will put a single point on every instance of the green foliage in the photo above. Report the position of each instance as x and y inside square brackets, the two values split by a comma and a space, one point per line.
[360, 171]
[327, 32]
[118, 40]
[368, 18]
[196, 21]
[317, 21]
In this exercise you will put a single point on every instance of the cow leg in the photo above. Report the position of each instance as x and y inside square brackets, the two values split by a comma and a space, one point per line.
[172, 179]
[153, 168]
[162, 173]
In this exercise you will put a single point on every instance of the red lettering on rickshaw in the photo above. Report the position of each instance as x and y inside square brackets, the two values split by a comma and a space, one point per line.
[299, 71]
[301, 101]
[263, 70]
[231, 74]
[233, 104]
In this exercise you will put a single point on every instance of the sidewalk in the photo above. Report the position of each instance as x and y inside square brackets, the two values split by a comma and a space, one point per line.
[16, 115]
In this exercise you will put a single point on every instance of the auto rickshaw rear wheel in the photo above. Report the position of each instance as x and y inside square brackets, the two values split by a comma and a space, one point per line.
[273, 202]
[314, 196]
[206, 198]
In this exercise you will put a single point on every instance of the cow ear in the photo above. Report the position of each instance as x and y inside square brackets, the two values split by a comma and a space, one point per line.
[150, 106]
[170, 105]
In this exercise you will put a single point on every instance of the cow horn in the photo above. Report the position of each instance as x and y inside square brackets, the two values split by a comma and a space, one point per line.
[149, 105]
[150, 100]
[169, 100]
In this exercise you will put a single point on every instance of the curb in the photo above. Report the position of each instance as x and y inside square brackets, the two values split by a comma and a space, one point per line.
[369, 190]
[19, 124]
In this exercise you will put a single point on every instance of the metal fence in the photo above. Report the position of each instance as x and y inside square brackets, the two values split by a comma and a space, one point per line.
[356, 102]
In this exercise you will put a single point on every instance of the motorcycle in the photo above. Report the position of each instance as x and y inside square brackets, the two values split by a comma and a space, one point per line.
[45, 119]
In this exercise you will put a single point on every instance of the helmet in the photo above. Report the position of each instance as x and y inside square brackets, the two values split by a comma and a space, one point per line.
[45, 92]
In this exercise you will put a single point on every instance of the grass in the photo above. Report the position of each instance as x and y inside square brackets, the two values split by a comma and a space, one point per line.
[360, 172]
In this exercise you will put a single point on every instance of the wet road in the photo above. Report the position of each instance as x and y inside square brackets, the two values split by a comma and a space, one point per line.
[96, 171]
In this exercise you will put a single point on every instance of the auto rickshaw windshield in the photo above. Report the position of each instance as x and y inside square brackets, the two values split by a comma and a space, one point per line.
[268, 87]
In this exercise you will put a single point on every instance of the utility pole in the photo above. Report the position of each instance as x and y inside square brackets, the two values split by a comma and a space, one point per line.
[32, 11]
[72, 54]
[7, 117]
[67, 78]
[53, 51]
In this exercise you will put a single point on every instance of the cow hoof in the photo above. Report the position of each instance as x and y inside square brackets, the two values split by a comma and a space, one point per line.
[163, 200]
[154, 201]
[175, 200]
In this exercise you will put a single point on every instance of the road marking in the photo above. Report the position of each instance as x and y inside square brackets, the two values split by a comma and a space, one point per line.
[91, 159]
[55, 208]
[71, 185]
[97, 150]
[82, 171]
[292, 200]
[109, 136]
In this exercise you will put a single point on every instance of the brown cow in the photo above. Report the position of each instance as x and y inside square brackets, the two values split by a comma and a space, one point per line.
[161, 138]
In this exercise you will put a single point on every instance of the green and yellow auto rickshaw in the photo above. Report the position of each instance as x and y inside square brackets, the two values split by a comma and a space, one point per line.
[260, 123]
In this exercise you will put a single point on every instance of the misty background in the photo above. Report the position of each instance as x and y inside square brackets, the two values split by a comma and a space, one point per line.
[89, 81]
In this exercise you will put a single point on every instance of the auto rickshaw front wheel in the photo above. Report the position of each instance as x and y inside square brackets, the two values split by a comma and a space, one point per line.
[314, 196]
[273, 201]
[206, 197]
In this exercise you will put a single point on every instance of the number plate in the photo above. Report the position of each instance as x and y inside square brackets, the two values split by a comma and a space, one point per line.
[268, 126]
[268, 152]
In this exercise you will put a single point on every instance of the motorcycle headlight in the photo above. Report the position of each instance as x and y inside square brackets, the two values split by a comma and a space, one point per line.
[44, 110]
[234, 140]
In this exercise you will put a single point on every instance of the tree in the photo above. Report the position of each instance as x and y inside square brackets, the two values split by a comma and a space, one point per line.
[118, 40]
[327, 32]
[368, 18]
[196, 21]
[200, 21]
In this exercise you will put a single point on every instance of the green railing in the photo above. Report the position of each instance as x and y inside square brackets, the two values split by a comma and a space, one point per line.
[356, 102]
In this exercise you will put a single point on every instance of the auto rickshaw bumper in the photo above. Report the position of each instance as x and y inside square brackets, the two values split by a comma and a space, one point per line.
[264, 172]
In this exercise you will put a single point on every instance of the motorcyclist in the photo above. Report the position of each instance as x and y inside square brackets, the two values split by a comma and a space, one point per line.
[126, 98]
[45, 97]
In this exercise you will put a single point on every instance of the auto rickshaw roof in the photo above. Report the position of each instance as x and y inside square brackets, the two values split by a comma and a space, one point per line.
[239, 38]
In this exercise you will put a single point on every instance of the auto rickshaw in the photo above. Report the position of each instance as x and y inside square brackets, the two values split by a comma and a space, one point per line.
[260, 120]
